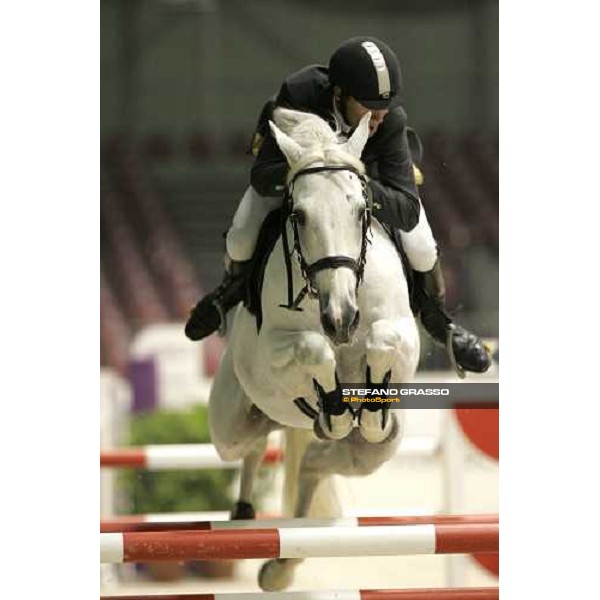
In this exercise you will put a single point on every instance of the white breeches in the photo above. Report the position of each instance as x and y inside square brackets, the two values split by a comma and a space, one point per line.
[419, 244]
[243, 233]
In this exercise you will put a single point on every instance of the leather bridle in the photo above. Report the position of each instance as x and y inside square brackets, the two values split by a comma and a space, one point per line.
[327, 262]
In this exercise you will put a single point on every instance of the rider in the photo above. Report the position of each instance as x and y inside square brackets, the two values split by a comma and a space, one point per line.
[363, 75]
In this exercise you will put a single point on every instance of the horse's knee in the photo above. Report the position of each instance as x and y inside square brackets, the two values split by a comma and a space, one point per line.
[312, 348]
[314, 354]
[381, 360]
[391, 345]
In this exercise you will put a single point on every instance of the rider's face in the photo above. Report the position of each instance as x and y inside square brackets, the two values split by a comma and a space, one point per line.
[355, 111]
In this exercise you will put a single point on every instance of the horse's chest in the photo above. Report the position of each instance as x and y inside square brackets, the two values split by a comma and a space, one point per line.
[293, 409]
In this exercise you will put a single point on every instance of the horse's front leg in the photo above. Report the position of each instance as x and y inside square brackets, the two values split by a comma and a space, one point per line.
[392, 353]
[311, 353]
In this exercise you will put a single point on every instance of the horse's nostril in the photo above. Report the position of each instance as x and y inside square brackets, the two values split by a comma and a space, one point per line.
[341, 329]
[327, 323]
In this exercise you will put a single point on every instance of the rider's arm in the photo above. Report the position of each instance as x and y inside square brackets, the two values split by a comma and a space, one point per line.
[395, 196]
[269, 170]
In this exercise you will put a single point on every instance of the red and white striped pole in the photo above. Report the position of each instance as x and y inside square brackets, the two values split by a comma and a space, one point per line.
[148, 523]
[175, 456]
[134, 546]
[480, 593]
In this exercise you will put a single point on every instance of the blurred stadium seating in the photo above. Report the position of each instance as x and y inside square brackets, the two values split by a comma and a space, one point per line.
[164, 211]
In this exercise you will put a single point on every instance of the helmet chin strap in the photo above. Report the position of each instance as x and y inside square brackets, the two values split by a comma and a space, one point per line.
[340, 102]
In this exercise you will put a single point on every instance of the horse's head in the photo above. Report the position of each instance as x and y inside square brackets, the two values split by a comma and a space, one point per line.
[329, 213]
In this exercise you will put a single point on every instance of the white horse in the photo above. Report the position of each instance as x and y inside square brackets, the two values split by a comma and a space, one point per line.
[356, 319]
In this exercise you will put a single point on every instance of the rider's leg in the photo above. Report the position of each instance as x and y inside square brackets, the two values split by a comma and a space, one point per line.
[468, 349]
[209, 314]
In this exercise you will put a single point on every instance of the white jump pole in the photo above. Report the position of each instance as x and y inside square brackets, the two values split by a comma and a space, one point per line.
[306, 542]
[204, 456]
[174, 456]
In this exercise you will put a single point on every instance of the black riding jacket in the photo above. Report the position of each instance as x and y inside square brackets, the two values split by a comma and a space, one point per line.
[386, 154]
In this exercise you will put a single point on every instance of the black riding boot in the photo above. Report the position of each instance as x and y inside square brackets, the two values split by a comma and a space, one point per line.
[209, 314]
[468, 350]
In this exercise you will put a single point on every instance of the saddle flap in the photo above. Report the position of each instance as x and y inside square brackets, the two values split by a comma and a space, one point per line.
[267, 238]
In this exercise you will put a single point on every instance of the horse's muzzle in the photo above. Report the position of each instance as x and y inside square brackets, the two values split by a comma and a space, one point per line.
[339, 326]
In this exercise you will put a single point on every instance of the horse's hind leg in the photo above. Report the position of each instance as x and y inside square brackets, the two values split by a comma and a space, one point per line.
[235, 423]
[277, 574]
[350, 456]
[238, 430]
[320, 460]
[243, 508]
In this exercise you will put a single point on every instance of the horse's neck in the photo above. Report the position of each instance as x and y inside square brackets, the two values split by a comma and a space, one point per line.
[384, 272]
[385, 281]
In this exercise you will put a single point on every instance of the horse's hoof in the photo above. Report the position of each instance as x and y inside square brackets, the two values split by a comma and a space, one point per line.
[375, 425]
[334, 427]
[277, 574]
[243, 510]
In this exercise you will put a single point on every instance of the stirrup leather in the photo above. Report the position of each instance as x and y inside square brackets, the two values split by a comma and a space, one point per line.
[450, 352]
[222, 314]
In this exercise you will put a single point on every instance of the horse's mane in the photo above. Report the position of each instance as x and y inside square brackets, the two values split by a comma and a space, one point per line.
[319, 142]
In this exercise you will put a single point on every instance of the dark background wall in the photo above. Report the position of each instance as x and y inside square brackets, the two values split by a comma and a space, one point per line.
[182, 83]
[180, 66]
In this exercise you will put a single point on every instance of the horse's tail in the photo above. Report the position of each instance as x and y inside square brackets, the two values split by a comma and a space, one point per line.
[325, 503]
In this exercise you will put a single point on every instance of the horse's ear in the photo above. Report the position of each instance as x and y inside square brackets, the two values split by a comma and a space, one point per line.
[290, 148]
[359, 138]
[287, 118]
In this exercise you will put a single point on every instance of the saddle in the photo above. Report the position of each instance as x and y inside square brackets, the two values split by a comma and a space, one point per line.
[270, 232]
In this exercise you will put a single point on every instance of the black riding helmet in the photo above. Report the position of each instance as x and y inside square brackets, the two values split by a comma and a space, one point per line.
[368, 70]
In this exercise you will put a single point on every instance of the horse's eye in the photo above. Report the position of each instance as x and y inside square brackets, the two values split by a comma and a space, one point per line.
[300, 218]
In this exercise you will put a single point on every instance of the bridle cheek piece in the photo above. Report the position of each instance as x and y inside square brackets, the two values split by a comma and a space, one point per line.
[327, 262]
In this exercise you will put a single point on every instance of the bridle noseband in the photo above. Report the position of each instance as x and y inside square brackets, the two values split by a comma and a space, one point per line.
[327, 262]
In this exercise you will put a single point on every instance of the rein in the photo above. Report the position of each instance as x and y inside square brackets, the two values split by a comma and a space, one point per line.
[327, 262]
